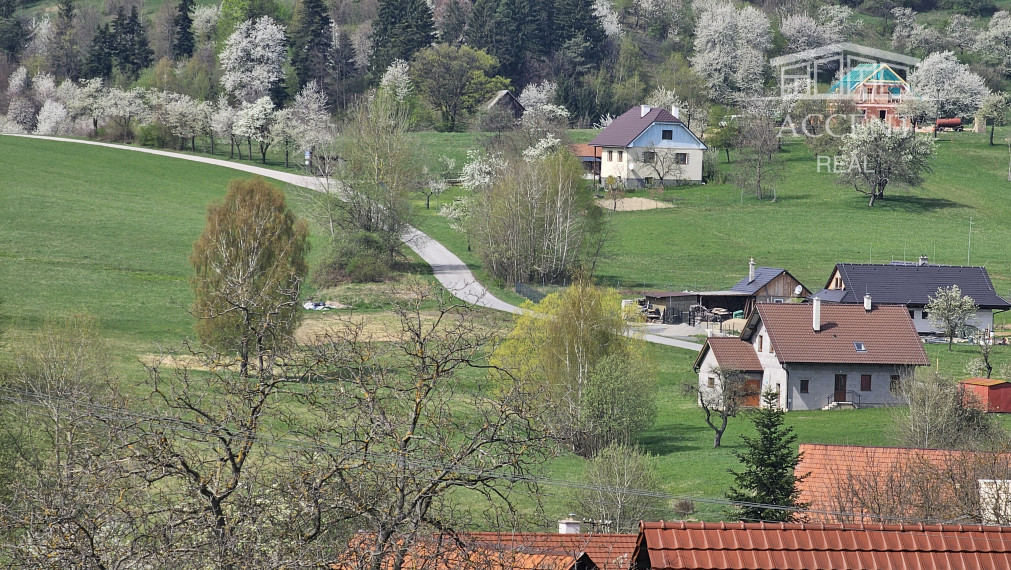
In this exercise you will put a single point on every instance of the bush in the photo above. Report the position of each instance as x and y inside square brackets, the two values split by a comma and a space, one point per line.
[154, 135]
[359, 258]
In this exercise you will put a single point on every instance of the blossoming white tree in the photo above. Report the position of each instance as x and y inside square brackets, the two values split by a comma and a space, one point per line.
[253, 123]
[253, 59]
[951, 88]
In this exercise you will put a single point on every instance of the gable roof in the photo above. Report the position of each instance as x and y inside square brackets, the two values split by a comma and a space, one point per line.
[878, 73]
[784, 546]
[914, 284]
[855, 483]
[606, 551]
[629, 125]
[763, 276]
[886, 332]
[730, 352]
[503, 94]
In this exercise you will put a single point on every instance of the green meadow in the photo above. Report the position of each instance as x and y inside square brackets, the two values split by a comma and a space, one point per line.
[107, 231]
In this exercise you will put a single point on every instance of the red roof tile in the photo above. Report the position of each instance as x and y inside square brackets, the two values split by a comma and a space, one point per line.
[608, 551]
[626, 127]
[586, 151]
[886, 331]
[731, 353]
[781, 546]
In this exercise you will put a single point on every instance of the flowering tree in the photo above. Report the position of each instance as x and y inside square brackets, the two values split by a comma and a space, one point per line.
[223, 124]
[950, 86]
[310, 115]
[52, 118]
[122, 107]
[397, 81]
[604, 11]
[253, 59]
[253, 122]
[878, 155]
[994, 43]
[730, 47]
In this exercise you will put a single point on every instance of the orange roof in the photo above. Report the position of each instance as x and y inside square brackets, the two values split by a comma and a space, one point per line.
[585, 150]
[730, 352]
[785, 546]
[984, 382]
[503, 551]
[886, 333]
[607, 551]
[853, 483]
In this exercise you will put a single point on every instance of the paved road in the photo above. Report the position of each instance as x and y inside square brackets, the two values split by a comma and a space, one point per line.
[449, 269]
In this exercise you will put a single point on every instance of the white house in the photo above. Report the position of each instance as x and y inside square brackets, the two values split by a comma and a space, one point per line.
[913, 284]
[814, 354]
[648, 145]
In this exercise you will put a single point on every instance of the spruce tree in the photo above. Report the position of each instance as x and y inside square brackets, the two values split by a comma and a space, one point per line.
[98, 62]
[453, 24]
[573, 18]
[310, 41]
[769, 462]
[182, 40]
[401, 29]
[131, 51]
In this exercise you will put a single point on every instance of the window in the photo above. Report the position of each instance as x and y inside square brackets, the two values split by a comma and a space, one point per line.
[759, 343]
[667, 135]
[649, 157]
[924, 315]
[894, 383]
[620, 155]
[712, 382]
[865, 382]
[859, 346]
[778, 301]
[805, 385]
[837, 283]
[648, 180]
[882, 114]
[610, 156]
[681, 158]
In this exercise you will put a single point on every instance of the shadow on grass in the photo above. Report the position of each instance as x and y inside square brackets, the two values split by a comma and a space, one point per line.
[915, 204]
[688, 438]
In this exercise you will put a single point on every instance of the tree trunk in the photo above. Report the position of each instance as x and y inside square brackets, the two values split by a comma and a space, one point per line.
[951, 338]
[249, 148]
[993, 125]
[728, 154]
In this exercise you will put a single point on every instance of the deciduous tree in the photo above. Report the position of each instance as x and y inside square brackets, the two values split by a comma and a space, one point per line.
[878, 155]
[620, 480]
[725, 399]
[949, 310]
[249, 264]
[455, 79]
[253, 59]
[950, 86]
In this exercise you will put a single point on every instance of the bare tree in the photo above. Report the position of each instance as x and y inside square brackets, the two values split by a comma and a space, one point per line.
[668, 164]
[939, 415]
[758, 163]
[724, 400]
[390, 453]
[617, 477]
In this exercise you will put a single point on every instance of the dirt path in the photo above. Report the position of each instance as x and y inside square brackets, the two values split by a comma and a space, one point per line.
[633, 204]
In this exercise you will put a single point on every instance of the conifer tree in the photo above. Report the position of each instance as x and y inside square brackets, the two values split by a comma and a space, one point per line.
[574, 18]
[98, 62]
[131, 50]
[310, 41]
[769, 462]
[182, 41]
[401, 29]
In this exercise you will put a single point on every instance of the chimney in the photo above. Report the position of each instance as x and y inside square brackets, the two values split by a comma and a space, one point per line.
[569, 525]
[816, 314]
[676, 112]
[923, 260]
[867, 303]
[751, 270]
[643, 109]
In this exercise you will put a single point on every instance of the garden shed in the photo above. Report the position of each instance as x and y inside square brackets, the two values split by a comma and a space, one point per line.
[992, 395]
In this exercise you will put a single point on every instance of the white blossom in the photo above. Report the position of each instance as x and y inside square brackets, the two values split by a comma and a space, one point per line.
[802, 32]
[361, 44]
[480, 170]
[253, 119]
[952, 88]
[604, 121]
[40, 32]
[604, 11]
[44, 86]
[536, 95]
[730, 47]
[52, 118]
[17, 83]
[994, 43]
[223, 119]
[253, 58]
[309, 112]
[541, 148]
[205, 19]
[397, 81]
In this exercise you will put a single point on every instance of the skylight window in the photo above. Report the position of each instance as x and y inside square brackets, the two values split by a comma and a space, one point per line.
[860, 347]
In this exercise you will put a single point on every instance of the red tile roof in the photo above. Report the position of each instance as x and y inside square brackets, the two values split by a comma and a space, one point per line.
[853, 483]
[886, 331]
[781, 546]
[626, 127]
[607, 551]
[503, 551]
[586, 151]
[731, 353]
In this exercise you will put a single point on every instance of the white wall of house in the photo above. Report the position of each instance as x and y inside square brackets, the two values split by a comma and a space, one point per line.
[821, 384]
[616, 161]
[774, 376]
[982, 320]
[613, 162]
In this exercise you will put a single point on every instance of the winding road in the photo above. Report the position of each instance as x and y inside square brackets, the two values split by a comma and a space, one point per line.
[449, 269]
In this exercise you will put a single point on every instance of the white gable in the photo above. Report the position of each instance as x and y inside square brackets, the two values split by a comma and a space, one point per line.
[681, 137]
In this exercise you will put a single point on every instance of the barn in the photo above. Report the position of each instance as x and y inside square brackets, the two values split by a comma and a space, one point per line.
[990, 394]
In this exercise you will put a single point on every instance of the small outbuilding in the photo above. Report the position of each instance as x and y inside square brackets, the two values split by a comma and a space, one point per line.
[990, 394]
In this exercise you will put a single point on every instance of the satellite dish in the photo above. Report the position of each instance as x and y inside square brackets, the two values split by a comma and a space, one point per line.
[631, 166]
[798, 290]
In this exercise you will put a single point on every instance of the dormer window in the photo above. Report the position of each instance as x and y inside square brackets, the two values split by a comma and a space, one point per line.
[859, 346]
[667, 134]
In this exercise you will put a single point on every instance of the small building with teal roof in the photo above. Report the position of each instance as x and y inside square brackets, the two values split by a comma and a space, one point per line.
[876, 90]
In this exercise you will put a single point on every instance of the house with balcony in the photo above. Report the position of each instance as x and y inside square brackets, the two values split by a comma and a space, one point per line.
[876, 89]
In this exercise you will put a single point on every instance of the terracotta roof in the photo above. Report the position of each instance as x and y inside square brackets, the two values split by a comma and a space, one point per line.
[732, 353]
[985, 382]
[586, 151]
[626, 127]
[503, 551]
[854, 484]
[607, 551]
[886, 333]
[909, 284]
[782, 546]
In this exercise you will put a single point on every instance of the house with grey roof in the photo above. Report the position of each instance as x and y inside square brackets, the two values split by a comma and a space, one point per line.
[913, 284]
[768, 285]
[646, 146]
